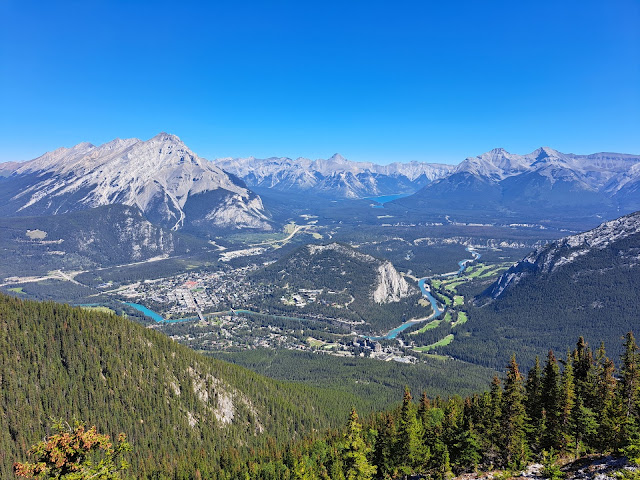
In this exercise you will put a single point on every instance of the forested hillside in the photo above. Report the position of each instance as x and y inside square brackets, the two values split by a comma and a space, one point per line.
[586, 284]
[586, 406]
[181, 411]
[348, 285]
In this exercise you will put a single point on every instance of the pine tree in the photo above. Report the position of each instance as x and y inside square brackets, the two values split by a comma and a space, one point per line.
[608, 407]
[384, 448]
[567, 401]
[409, 445]
[355, 450]
[583, 425]
[533, 404]
[551, 404]
[630, 374]
[494, 414]
[583, 371]
[628, 390]
[513, 418]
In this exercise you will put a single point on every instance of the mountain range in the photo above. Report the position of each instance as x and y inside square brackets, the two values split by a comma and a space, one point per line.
[176, 189]
[544, 183]
[336, 176]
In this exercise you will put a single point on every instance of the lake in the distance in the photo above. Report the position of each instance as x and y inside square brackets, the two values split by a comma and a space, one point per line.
[387, 198]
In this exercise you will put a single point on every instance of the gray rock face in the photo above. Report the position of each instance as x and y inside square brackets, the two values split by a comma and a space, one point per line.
[335, 176]
[555, 255]
[160, 176]
[391, 286]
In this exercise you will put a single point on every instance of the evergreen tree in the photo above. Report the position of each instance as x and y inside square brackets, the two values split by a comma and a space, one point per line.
[567, 400]
[533, 404]
[384, 447]
[582, 358]
[494, 414]
[409, 445]
[514, 452]
[551, 404]
[628, 389]
[630, 374]
[440, 462]
[355, 450]
[583, 425]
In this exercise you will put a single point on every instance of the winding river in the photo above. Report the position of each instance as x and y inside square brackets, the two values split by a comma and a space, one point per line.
[427, 294]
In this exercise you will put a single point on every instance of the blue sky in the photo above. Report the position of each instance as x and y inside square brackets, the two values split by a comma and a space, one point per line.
[378, 81]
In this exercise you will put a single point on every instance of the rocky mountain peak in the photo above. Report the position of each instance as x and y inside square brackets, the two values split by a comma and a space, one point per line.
[158, 175]
[551, 257]
[166, 137]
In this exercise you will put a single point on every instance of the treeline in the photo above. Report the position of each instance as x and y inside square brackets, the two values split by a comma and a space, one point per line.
[579, 405]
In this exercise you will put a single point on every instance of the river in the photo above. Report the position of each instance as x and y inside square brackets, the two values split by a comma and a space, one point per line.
[427, 294]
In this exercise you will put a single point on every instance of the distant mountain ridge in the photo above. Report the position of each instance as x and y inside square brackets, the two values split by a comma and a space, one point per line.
[335, 176]
[160, 176]
[542, 183]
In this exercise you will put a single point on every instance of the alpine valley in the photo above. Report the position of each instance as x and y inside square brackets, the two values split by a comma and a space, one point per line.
[278, 293]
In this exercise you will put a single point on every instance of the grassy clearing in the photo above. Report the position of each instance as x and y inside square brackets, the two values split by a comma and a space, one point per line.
[458, 300]
[462, 318]
[314, 342]
[436, 283]
[435, 356]
[317, 236]
[17, 290]
[440, 343]
[429, 326]
[481, 268]
[447, 317]
[494, 272]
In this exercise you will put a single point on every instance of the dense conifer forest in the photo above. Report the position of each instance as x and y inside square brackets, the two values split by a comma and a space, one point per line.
[569, 407]
[188, 416]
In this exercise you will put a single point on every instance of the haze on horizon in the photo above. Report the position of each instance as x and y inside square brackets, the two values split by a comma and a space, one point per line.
[425, 82]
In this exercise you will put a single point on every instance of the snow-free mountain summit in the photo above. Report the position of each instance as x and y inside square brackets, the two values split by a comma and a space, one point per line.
[170, 184]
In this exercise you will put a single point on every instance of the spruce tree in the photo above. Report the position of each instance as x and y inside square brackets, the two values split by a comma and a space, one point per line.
[533, 404]
[630, 374]
[384, 450]
[355, 450]
[494, 414]
[409, 445]
[583, 371]
[628, 391]
[567, 401]
[551, 401]
[514, 452]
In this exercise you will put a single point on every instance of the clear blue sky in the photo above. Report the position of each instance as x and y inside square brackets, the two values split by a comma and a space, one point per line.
[379, 81]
